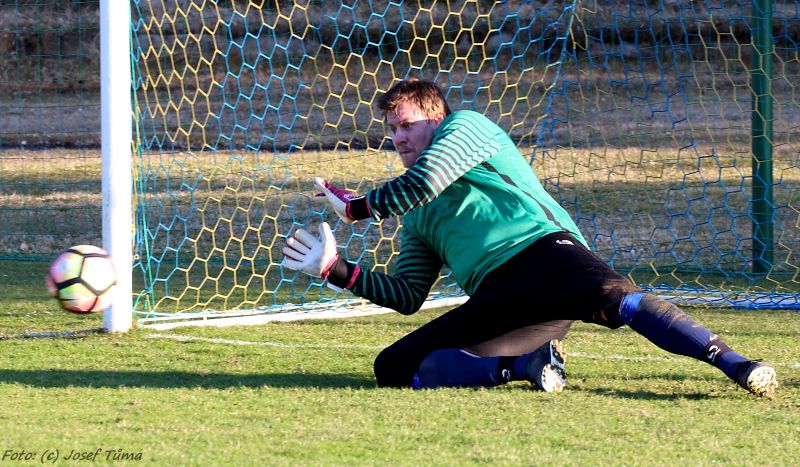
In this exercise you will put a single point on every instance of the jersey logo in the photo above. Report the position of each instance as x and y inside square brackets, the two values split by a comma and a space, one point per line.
[564, 242]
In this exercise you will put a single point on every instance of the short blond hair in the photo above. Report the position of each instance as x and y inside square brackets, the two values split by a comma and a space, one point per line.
[426, 95]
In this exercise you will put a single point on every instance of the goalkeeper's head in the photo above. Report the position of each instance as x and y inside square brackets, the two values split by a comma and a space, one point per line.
[413, 109]
[424, 95]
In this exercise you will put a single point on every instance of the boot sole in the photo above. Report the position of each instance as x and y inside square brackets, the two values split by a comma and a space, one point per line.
[763, 381]
[553, 377]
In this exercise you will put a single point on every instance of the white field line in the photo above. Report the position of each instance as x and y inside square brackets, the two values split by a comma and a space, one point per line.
[253, 317]
[619, 357]
[216, 340]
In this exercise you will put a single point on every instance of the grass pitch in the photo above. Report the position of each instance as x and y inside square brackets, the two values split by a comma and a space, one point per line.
[303, 393]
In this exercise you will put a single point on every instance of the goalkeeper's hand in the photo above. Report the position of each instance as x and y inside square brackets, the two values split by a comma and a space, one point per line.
[337, 197]
[306, 253]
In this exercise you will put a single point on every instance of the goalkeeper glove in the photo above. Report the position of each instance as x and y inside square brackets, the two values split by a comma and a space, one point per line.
[306, 253]
[342, 201]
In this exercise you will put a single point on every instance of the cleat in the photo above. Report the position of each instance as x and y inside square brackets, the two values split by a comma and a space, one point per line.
[758, 378]
[545, 368]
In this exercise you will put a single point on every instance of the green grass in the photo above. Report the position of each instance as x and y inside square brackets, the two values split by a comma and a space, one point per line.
[303, 393]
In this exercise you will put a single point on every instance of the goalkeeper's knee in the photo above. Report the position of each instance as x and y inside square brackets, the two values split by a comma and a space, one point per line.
[632, 303]
[393, 370]
[625, 298]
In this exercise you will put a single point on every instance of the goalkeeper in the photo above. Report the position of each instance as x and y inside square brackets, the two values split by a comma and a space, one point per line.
[471, 201]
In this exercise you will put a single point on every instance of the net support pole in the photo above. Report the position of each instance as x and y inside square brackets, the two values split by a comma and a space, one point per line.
[762, 201]
[117, 185]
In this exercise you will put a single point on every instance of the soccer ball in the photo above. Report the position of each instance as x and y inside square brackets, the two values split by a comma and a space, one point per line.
[82, 279]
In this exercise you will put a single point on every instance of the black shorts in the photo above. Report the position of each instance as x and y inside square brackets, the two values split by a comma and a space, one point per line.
[530, 299]
[559, 278]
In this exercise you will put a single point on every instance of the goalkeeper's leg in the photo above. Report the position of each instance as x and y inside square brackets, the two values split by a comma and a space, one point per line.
[469, 347]
[502, 333]
[582, 281]
[665, 325]
[522, 355]
[456, 350]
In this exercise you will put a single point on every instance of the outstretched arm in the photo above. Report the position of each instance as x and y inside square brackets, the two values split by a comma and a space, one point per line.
[404, 291]
[461, 143]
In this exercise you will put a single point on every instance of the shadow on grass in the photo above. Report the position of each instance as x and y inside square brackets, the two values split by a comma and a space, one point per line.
[788, 383]
[650, 396]
[178, 379]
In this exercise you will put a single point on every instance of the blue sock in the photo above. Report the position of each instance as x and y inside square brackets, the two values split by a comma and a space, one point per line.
[458, 368]
[519, 368]
[665, 325]
[728, 361]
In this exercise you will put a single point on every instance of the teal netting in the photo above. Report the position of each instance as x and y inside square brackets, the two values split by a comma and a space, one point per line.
[636, 115]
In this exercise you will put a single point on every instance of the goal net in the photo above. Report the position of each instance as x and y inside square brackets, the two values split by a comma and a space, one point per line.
[639, 117]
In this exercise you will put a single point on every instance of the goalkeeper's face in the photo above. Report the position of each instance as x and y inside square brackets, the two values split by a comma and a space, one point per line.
[411, 131]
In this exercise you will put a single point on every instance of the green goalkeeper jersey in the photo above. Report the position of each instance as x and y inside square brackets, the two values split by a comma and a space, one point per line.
[470, 202]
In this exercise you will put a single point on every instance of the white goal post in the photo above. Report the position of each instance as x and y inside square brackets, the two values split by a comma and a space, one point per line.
[116, 128]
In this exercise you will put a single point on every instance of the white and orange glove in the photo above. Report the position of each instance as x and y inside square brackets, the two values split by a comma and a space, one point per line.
[343, 201]
[306, 253]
